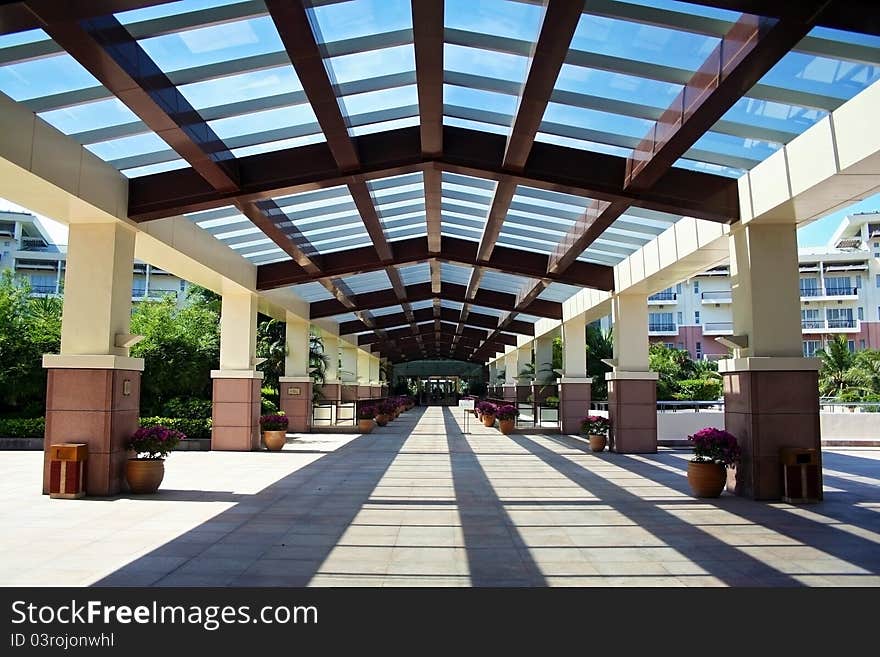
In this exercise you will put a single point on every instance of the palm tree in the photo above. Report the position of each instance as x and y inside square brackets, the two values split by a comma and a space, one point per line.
[836, 372]
[318, 360]
[600, 346]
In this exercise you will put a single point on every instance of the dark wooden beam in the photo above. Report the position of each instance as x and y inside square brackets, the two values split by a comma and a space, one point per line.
[266, 215]
[469, 152]
[428, 21]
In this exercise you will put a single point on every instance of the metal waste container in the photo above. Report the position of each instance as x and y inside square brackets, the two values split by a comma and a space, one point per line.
[801, 475]
[67, 470]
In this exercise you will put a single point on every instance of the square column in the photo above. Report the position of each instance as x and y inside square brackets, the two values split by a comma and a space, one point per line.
[511, 365]
[330, 389]
[632, 387]
[363, 374]
[93, 386]
[295, 387]
[575, 387]
[348, 355]
[375, 384]
[771, 393]
[236, 385]
[542, 387]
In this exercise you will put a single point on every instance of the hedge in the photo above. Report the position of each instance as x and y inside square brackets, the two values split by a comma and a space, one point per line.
[36, 427]
[23, 428]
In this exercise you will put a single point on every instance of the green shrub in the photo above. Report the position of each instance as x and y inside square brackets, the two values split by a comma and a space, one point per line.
[268, 407]
[23, 428]
[190, 427]
[187, 407]
[698, 390]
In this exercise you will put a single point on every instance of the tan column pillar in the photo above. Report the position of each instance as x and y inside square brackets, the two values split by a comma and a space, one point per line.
[632, 387]
[236, 407]
[574, 386]
[543, 387]
[348, 355]
[296, 384]
[363, 374]
[330, 389]
[375, 385]
[511, 371]
[93, 387]
[771, 393]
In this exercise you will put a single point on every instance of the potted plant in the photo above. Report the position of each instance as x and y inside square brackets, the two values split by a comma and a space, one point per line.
[596, 427]
[715, 450]
[383, 414]
[366, 413]
[145, 471]
[488, 411]
[507, 415]
[274, 429]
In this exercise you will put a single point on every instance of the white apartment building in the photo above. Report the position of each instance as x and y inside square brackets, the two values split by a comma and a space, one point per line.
[839, 289]
[27, 249]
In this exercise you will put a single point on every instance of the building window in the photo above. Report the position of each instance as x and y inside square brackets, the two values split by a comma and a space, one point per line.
[810, 348]
[810, 287]
[861, 314]
[878, 275]
[697, 317]
[838, 285]
[810, 318]
[182, 286]
[840, 318]
[862, 345]
[660, 322]
[678, 287]
[698, 351]
[680, 317]
[696, 287]
[669, 345]
[681, 345]
[858, 282]
[851, 345]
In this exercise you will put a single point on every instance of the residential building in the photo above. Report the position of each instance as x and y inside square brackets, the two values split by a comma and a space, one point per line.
[27, 249]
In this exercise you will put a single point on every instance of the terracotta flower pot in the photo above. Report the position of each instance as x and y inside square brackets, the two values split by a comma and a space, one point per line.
[597, 443]
[381, 419]
[488, 420]
[506, 426]
[274, 440]
[365, 425]
[706, 479]
[144, 475]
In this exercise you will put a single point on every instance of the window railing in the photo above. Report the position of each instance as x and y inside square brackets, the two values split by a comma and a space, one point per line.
[663, 296]
[842, 322]
[43, 289]
[716, 295]
[718, 327]
[661, 327]
[835, 323]
[829, 291]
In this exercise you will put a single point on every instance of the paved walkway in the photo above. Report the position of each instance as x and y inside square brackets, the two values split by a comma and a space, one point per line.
[420, 503]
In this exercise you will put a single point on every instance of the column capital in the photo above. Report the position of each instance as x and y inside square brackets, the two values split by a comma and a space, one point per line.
[92, 362]
[236, 374]
[631, 376]
[768, 364]
[574, 379]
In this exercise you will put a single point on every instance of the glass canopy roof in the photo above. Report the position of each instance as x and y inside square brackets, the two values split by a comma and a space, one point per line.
[626, 63]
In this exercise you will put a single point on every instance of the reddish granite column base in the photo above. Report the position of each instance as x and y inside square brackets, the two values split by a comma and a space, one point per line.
[574, 404]
[364, 392]
[375, 392]
[236, 415]
[296, 403]
[329, 392]
[632, 407]
[768, 410]
[348, 392]
[99, 407]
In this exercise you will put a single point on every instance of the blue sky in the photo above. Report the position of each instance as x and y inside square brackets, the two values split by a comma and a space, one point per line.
[819, 232]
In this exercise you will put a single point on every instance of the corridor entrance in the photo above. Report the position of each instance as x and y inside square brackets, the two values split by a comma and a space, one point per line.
[438, 391]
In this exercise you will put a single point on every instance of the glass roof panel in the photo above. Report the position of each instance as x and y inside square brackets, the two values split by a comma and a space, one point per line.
[19, 38]
[506, 18]
[359, 18]
[415, 274]
[559, 292]
[367, 64]
[266, 83]
[89, 116]
[167, 9]
[457, 274]
[420, 305]
[465, 204]
[43, 77]
[212, 44]
[821, 75]
[372, 281]
[452, 305]
[500, 282]
[170, 165]
[126, 147]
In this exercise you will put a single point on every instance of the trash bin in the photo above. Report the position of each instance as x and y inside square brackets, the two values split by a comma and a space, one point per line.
[67, 470]
[801, 475]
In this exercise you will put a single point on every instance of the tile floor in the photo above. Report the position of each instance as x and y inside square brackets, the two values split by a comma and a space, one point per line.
[419, 503]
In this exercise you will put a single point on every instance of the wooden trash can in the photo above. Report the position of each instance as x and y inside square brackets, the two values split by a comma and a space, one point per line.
[67, 470]
[801, 475]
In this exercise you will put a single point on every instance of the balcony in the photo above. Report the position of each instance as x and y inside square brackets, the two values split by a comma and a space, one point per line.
[843, 325]
[662, 298]
[662, 328]
[824, 294]
[718, 328]
[42, 290]
[719, 296]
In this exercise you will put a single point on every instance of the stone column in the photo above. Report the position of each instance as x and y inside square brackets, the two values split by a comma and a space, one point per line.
[236, 408]
[632, 387]
[574, 386]
[348, 355]
[771, 394]
[296, 384]
[375, 384]
[93, 387]
[523, 385]
[363, 374]
[330, 389]
[542, 386]
[511, 362]
[493, 373]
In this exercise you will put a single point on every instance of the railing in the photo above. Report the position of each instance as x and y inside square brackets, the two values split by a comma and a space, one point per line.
[539, 415]
[710, 328]
[830, 324]
[717, 296]
[43, 289]
[662, 327]
[825, 406]
[338, 412]
[831, 406]
[833, 291]
[663, 296]
[689, 406]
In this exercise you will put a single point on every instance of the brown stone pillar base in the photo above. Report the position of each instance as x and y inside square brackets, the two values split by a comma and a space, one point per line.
[767, 410]
[632, 407]
[236, 414]
[364, 392]
[574, 403]
[375, 392]
[98, 407]
[296, 402]
[349, 392]
[330, 392]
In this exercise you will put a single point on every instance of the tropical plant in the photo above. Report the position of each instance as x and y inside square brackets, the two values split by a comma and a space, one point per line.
[271, 345]
[319, 361]
[274, 422]
[600, 346]
[837, 371]
[154, 443]
[713, 445]
[596, 425]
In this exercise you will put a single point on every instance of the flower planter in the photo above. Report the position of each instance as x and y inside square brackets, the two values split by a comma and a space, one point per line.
[706, 479]
[144, 475]
[488, 420]
[274, 440]
[365, 425]
[506, 426]
[597, 443]
[381, 419]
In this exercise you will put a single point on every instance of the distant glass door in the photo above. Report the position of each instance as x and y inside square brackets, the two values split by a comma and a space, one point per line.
[438, 391]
